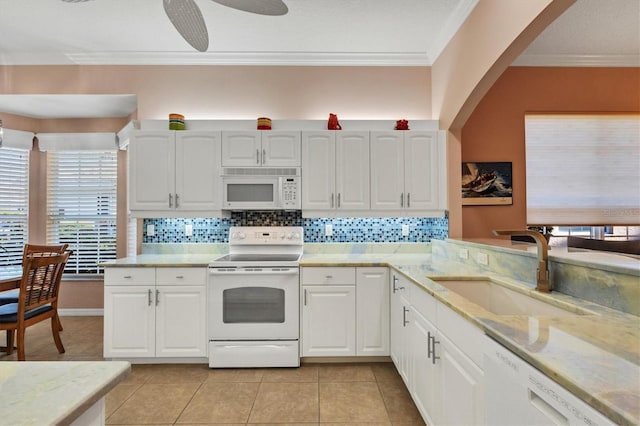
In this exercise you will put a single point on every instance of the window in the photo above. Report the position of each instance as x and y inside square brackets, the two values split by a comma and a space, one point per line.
[583, 169]
[81, 207]
[14, 204]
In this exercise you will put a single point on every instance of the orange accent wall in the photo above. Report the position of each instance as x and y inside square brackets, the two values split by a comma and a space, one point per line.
[495, 129]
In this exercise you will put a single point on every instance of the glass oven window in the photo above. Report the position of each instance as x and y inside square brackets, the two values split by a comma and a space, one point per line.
[250, 192]
[253, 305]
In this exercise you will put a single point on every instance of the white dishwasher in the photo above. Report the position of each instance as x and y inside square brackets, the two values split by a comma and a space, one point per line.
[516, 393]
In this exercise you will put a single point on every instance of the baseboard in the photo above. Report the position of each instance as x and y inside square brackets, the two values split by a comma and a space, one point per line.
[343, 359]
[96, 312]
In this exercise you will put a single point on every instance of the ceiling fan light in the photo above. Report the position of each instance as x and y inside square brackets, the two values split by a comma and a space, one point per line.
[187, 19]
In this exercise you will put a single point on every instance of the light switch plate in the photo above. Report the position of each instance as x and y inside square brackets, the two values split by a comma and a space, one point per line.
[188, 230]
[405, 230]
[151, 230]
[463, 253]
[328, 230]
[482, 258]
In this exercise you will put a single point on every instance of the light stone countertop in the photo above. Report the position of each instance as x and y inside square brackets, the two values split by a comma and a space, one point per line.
[596, 357]
[54, 392]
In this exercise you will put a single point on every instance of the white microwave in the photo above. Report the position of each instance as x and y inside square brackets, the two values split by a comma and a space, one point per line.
[261, 188]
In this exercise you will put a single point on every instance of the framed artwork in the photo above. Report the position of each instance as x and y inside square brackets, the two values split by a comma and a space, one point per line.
[487, 184]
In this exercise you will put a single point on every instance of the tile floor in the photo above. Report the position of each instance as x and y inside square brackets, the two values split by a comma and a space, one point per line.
[339, 394]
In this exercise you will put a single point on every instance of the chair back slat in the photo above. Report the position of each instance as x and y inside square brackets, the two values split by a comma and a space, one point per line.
[40, 280]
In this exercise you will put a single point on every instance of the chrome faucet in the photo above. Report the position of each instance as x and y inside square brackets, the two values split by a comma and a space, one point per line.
[542, 275]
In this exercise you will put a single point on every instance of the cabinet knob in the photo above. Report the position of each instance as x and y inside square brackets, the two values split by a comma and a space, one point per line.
[179, 277]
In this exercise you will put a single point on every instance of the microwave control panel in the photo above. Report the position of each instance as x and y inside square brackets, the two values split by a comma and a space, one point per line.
[291, 192]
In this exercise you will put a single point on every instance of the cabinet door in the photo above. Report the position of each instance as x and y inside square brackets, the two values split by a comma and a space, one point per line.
[421, 169]
[241, 148]
[181, 321]
[151, 170]
[197, 171]
[352, 170]
[318, 170]
[387, 170]
[328, 320]
[399, 320]
[129, 322]
[458, 376]
[372, 311]
[280, 148]
[424, 380]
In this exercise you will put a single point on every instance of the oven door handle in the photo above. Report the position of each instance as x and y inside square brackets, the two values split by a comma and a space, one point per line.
[254, 271]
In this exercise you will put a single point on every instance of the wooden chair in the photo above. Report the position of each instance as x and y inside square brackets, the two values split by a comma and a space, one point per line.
[38, 300]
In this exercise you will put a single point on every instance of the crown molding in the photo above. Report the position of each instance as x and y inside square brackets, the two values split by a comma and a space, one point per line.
[530, 60]
[251, 58]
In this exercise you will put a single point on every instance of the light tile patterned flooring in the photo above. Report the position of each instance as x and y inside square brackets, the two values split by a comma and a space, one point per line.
[339, 394]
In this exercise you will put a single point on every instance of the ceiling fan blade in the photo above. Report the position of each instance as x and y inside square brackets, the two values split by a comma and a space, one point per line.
[261, 7]
[187, 18]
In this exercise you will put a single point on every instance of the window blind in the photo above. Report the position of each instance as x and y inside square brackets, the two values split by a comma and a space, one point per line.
[81, 205]
[583, 169]
[14, 204]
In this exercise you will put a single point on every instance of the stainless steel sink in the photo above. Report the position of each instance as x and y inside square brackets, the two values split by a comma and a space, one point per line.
[502, 300]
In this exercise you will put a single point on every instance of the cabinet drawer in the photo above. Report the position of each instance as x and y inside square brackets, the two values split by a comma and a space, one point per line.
[181, 276]
[424, 303]
[328, 276]
[130, 276]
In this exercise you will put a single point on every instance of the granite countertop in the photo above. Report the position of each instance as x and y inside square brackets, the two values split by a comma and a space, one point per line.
[54, 392]
[595, 356]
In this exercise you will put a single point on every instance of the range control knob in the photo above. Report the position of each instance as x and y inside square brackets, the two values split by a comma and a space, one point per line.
[241, 235]
[234, 235]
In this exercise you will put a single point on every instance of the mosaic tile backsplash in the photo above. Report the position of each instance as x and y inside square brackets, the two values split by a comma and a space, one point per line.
[345, 230]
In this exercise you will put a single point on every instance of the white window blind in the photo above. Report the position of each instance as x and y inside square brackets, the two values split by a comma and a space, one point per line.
[14, 204]
[583, 169]
[81, 204]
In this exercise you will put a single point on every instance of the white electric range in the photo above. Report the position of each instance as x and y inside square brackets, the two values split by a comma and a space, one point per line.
[253, 299]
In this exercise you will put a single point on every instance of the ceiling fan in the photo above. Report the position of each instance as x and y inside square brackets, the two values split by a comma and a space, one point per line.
[186, 17]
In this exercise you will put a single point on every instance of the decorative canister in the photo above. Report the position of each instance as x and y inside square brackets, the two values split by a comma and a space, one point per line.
[264, 123]
[176, 122]
[402, 125]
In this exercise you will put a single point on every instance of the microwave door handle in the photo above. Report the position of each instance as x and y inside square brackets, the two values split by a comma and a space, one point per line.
[280, 191]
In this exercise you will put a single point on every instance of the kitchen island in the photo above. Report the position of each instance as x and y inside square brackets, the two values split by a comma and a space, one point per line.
[44, 393]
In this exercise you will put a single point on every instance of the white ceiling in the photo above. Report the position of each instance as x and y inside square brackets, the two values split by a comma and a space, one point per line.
[314, 32]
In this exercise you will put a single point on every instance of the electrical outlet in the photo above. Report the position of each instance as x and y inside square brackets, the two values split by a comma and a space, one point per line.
[151, 230]
[188, 230]
[463, 253]
[328, 230]
[482, 258]
[405, 230]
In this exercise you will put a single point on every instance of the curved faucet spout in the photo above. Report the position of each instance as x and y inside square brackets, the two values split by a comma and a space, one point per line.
[542, 276]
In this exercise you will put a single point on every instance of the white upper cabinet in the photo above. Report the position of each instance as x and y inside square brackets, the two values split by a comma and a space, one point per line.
[257, 148]
[174, 172]
[335, 170]
[405, 171]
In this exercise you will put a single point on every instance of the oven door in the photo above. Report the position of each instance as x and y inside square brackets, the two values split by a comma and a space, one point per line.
[253, 303]
[251, 193]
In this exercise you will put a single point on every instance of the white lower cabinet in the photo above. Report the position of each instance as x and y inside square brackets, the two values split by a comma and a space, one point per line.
[344, 311]
[155, 312]
[445, 384]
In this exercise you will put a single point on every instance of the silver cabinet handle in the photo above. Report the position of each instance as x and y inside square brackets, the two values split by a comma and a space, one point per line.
[408, 199]
[338, 200]
[149, 294]
[395, 281]
[431, 349]
[332, 200]
[257, 156]
[170, 200]
[401, 199]
[329, 277]
[157, 297]
[305, 297]
[180, 277]
[176, 201]
[404, 316]
[127, 277]
[264, 155]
